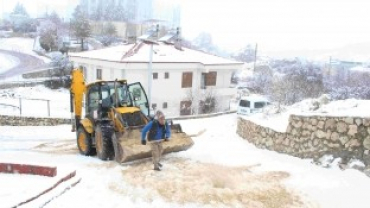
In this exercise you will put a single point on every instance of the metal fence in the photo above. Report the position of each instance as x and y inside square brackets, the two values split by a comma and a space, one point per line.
[20, 105]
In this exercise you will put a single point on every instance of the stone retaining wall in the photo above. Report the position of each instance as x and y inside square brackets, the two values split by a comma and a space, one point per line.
[31, 121]
[313, 136]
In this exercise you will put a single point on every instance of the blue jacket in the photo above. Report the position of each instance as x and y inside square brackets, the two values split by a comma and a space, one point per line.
[159, 131]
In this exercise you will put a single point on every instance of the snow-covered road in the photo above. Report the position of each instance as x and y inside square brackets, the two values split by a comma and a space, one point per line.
[7, 62]
[220, 170]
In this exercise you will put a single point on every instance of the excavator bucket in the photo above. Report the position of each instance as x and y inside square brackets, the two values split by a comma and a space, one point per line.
[128, 147]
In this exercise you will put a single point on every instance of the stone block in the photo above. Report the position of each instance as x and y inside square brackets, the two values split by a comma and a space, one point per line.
[328, 134]
[352, 130]
[341, 127]
[343, 140]
[320, 134]
[334, 136]
[321, 124]
[366, 143]
[358, 121]
[366, 122]
[314, 122]
[330, 124]
[349, 120]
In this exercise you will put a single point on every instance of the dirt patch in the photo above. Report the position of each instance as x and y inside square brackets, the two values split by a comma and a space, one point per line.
[59, 147]
[183, 181]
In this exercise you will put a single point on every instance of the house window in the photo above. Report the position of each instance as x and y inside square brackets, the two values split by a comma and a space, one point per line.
[187, 79]
[166, 75]
[208, 79]
[164, 105]
[155, 75]
[99, 74]
[154, 106]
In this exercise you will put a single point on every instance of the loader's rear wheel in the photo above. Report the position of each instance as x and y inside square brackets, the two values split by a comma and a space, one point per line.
[104, 147]
[84, 142]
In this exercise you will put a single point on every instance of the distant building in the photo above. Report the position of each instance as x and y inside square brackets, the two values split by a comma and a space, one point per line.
[181, 78]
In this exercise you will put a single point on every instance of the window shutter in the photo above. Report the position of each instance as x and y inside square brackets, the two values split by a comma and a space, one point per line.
[187, 79]
[210, 79]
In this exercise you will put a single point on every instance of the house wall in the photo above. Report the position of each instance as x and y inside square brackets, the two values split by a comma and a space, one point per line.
[165, 90]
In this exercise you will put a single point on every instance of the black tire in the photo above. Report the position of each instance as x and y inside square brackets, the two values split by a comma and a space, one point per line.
[103, 144]
[84, 142]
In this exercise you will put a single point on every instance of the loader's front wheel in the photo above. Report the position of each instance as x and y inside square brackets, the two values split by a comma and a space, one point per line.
[84, 142]
[104, 147]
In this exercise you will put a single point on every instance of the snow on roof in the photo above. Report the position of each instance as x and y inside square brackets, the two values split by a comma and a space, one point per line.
[360, 68]
[163, 53]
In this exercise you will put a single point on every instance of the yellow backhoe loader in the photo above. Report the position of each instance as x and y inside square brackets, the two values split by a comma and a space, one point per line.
[115, 113]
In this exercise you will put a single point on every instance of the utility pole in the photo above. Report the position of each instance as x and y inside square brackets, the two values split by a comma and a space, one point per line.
[255, 58]
[150, 67]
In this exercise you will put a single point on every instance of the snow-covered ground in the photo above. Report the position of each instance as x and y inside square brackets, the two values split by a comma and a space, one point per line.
[7, 62]
[22, 45]
[220, 170]
[279, 121]
[59, 102]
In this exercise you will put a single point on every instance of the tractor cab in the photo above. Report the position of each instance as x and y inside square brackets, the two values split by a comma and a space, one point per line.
[125, 98]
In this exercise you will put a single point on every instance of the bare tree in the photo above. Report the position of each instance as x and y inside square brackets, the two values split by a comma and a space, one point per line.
[81, 25]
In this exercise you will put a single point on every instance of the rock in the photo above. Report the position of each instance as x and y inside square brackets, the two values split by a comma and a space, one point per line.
[334, 136]
[324, 99]
[353, 143]
[320, 134]
[279, 141]
[328, 135]
[314, 122]
[321, 124]
[352, 130]
[315, 142]
[269, 143]
[343, 140]
[358, 121]
[298, 124]
[341, 127]
[366, 143]
[289, 129]
[348, 120]
[315, 105]
[309, 127]
[367, 172]
[330, 124]
[286, 142]
[306, 133]
[366, 122]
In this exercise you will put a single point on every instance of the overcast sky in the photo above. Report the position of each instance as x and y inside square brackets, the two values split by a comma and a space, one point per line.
[280, 24]
[273, 24]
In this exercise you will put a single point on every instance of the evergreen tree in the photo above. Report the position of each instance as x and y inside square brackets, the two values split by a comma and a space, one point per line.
[20, 10]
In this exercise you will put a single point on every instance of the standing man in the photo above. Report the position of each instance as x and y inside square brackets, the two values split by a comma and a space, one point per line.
[158, 131]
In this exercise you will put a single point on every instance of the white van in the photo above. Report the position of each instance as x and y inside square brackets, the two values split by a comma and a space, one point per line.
[252, 104]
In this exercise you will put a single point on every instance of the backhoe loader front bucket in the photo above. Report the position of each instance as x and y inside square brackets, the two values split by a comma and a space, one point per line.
[128, 147]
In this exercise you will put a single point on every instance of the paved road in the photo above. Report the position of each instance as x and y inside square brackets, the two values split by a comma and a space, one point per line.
[26, 63]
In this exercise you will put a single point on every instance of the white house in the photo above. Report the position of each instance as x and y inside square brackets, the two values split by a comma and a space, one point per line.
[182, 80]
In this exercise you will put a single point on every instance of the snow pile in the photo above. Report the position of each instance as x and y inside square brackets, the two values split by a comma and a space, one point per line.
[59, 102]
